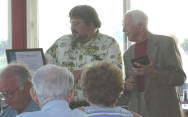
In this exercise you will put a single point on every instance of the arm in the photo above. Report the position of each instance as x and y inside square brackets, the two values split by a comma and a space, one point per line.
[168, 67]
[8, 112]
[114, 52]
[172, 73]
[130, 81]
[51, 53]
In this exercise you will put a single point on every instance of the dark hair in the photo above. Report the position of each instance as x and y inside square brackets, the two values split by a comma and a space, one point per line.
[102, 83]
[86, 13]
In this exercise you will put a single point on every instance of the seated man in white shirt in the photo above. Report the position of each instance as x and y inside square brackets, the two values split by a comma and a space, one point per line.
[52, 90]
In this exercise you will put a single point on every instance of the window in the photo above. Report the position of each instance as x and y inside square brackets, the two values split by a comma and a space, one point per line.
[3, 31]
[54, 20]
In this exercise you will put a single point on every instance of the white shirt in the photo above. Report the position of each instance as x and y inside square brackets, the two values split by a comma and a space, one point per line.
[56, 108]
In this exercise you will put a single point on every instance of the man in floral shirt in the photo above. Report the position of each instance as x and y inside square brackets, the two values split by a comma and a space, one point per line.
[83, 46]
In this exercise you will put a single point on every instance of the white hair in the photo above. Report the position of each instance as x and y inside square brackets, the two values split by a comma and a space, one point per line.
[52, 82]
[138, 16]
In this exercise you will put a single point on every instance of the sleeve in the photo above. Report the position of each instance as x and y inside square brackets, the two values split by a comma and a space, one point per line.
[127, 72]
[115, 53]
[8, 112]
[51, 54]
[172, 73]
[125, 66]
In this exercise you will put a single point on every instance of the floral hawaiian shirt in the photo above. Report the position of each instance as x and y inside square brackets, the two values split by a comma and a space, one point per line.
[75, 56]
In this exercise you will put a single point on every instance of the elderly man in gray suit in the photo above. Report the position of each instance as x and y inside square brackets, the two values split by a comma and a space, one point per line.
[153, 78]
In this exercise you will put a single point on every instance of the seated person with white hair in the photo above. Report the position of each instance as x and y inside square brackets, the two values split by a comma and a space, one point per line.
[52, 90]
[102, 85]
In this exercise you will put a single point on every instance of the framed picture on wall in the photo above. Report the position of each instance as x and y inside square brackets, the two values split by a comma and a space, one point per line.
[33, 58]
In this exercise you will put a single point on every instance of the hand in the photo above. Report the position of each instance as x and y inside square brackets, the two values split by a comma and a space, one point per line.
[145, 69]
[130, 83]
[77, 74]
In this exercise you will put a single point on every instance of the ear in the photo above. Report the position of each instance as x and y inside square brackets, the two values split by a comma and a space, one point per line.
[142, 27]
[71, 95]
[91, 26]
[33, 95]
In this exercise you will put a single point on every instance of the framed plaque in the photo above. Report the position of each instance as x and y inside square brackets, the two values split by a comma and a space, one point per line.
[33, 57]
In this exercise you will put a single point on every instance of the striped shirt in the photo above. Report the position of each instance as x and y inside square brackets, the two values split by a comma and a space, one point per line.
[94, 111]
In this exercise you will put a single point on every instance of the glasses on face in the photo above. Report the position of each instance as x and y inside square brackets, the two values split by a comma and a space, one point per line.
[74, 24]
[9, 94]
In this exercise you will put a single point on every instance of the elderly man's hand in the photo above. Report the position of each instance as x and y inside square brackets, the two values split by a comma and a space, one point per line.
[130, 83]
[145, 70]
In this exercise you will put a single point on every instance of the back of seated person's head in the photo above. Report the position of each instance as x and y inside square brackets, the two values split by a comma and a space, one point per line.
[52, 82]
[102, 83]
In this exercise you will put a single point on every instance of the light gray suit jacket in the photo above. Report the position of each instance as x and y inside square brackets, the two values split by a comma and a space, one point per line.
[161, 92]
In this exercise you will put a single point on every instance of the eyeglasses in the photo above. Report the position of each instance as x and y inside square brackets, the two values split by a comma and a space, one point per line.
[9, 94]
[75, 23]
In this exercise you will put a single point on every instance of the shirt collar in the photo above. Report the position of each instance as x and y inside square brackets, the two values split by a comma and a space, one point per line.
[62, 104]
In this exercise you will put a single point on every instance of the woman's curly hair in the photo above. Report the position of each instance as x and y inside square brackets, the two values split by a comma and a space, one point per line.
[102, 83]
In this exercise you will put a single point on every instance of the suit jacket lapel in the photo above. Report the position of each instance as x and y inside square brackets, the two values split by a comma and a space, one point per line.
[152, 48]
[132, 53]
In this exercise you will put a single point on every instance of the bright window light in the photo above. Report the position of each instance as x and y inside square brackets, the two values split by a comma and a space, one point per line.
[54, 19]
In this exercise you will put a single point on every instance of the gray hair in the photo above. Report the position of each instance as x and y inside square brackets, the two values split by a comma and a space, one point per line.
[138, 16]
[52, 82]
[19, 71]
